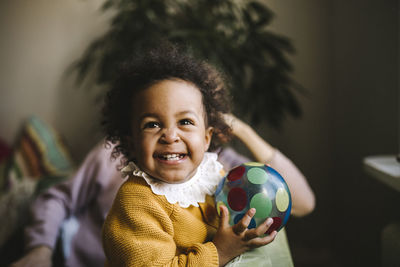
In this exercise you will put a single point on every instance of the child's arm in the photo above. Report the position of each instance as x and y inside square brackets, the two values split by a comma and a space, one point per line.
[302, 195]
[231, 241]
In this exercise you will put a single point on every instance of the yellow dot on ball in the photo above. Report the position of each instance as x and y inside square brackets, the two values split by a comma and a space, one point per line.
[254, 164]
[219, 205]
[282, 199]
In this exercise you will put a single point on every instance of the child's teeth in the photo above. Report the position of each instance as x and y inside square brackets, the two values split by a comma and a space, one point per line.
[171, 156]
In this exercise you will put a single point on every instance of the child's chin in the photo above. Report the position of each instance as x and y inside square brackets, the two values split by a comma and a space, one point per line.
[176, 179]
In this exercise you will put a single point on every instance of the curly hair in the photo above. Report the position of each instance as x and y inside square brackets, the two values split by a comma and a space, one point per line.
[166, 61]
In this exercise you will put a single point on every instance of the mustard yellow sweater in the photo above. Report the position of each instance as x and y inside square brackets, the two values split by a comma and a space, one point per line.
[144, 229]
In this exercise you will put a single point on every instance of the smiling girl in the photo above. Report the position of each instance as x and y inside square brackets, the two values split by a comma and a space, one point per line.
[164, 113]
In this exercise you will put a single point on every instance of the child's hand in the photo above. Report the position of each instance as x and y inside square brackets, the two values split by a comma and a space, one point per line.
[232, 241]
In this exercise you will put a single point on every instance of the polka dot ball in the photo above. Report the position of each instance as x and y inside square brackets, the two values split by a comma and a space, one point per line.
[255, 185]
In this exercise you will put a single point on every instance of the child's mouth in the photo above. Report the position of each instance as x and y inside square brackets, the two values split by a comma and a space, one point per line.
[171, 157]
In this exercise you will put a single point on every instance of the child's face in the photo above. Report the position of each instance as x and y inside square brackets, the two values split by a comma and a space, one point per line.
[169, 130]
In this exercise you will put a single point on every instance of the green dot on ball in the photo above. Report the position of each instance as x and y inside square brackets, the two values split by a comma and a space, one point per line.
[262, 204]
[257, 176]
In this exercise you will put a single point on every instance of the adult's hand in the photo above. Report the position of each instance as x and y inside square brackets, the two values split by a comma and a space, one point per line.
[36, 257]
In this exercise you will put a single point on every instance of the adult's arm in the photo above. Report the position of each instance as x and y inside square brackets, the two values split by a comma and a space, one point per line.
[57, 203]
[303, 198]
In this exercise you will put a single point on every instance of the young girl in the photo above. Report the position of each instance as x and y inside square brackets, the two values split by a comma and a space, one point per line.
[163, 113]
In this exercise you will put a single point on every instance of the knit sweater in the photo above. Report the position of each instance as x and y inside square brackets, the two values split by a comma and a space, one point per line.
[144, 229]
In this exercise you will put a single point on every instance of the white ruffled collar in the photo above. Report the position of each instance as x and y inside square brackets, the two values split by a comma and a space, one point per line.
[192, 192]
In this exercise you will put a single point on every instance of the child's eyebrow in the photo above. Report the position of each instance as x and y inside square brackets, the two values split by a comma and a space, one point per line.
[187, 112]
[147, 115]
[157, 116]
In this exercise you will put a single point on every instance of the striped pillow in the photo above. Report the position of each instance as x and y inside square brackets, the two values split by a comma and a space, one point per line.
[40, 151]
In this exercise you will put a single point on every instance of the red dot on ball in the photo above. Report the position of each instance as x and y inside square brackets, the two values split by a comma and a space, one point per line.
[237, 199]
[236, 173]
[275, 225]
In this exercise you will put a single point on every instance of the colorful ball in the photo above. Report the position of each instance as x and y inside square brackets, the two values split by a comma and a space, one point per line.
[255, 185]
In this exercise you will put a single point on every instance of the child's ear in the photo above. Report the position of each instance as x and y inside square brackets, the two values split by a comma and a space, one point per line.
[208, 136]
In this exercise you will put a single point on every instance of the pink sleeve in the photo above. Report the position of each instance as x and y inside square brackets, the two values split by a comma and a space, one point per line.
[54, 205]
[229, 158]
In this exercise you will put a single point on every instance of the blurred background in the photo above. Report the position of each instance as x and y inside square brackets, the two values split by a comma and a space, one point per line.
[347, 58]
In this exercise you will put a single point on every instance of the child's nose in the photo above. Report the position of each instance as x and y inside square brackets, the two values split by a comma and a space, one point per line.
[170, 135]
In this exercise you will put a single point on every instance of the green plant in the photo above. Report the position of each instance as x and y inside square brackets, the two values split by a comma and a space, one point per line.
[231, 34]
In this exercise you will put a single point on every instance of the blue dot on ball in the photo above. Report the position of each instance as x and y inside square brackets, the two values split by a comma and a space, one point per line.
[240, 216]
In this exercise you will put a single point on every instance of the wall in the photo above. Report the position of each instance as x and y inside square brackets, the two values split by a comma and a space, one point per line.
[39, 41]
[308, 141]
[347, 58]
[366, 119]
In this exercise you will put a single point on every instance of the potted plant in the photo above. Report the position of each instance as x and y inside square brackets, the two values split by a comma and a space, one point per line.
[231, 34]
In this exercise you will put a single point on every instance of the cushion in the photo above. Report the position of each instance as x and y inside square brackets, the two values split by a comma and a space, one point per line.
[40, 151]
[39, 159]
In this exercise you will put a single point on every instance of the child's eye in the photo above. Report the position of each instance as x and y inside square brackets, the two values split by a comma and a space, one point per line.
[151, 124]
[186, 122]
